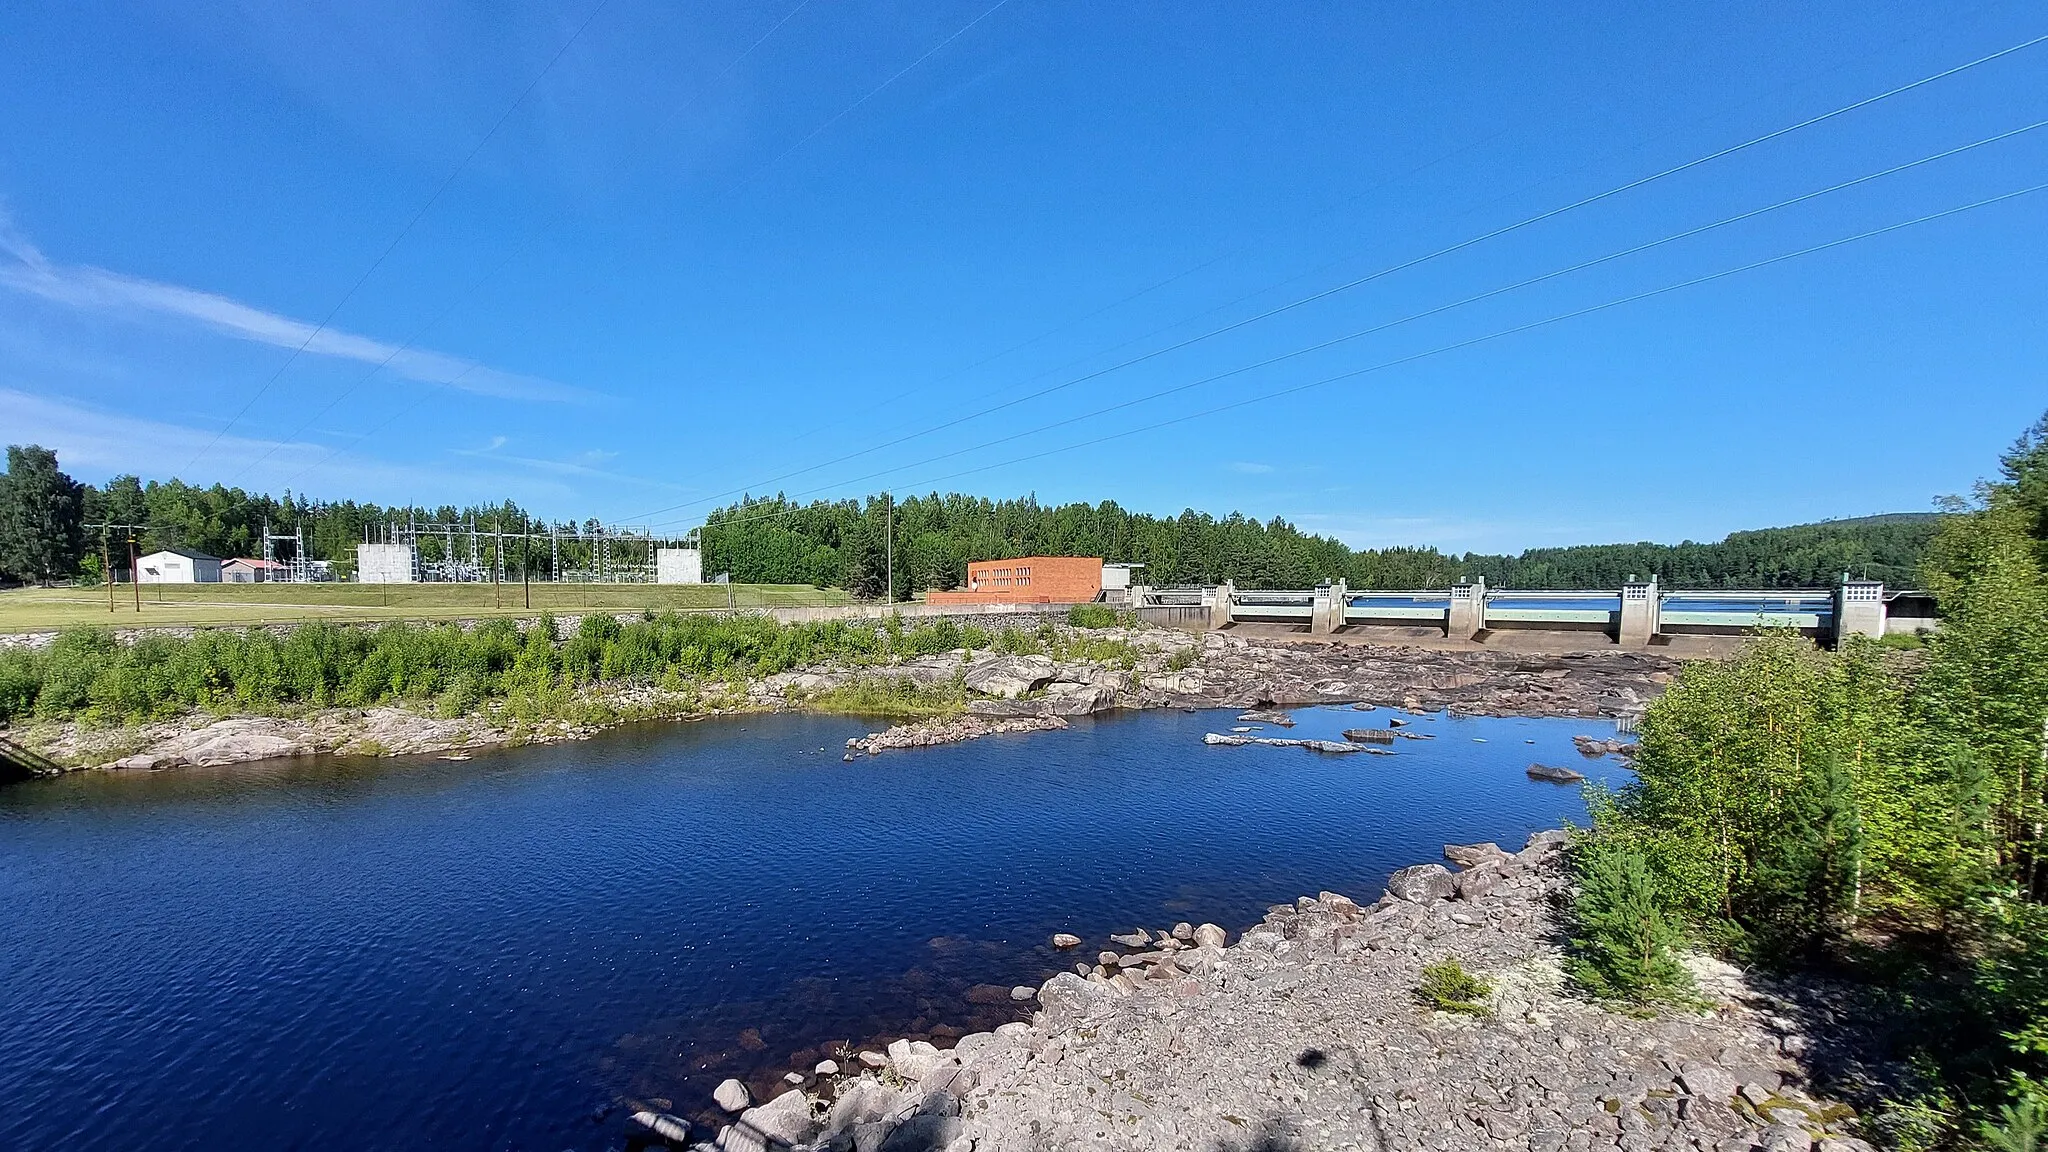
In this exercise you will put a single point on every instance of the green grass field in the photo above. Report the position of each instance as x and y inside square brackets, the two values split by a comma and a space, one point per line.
[172, 605]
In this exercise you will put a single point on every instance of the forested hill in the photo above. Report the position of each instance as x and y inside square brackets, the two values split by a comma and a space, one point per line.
[936, 536]
[1886, 548]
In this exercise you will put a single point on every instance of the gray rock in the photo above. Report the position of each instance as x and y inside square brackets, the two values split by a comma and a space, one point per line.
[1786, 1138]
[1077, 699]
[1474, 883]
[671, 1128]
[1554, 774]
[1065, 940]
[732, 1096]
[1210, 936]
[1066, 1000]
[1008, 677]
[1419, 883]
[781, 1123]
[1023, 992]
[1709, 1083]
[1473, 855]
[923, 1133]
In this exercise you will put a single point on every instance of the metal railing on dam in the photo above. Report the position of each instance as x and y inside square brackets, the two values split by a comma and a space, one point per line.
[1636, 613]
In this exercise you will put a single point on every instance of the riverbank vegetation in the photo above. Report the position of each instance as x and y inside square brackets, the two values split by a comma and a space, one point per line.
[1876, 813]
[535, 670]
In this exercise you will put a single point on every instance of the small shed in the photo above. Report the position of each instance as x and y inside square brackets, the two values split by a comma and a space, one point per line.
[248, 570]
[177, 566]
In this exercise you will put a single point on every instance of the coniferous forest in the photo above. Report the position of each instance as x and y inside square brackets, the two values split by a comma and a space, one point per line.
[47, 533]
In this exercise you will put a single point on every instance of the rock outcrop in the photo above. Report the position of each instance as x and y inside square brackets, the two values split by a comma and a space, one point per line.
[1306, 1034]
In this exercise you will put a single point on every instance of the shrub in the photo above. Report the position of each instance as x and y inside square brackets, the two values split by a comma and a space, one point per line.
[1447, 987]
[1622, 940]
[1092, 616]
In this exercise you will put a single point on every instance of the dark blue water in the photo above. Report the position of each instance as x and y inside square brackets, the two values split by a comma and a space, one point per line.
[499, 953]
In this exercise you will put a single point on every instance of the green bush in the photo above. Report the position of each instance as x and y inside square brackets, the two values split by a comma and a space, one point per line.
[1092, 616]
[1447, 987]
[1623, 943]
[87, 674]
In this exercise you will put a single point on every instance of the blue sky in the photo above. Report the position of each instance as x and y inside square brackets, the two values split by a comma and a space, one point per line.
[707, 247]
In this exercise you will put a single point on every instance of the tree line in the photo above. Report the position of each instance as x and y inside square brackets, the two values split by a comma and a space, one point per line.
[930, 539]
[773, 540]
[1883, 815]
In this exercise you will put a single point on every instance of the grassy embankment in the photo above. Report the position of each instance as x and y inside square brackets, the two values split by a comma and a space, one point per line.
[183, 605]
[518, 675]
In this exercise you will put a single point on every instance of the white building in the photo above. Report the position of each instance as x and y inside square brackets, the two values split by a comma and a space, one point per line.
[678, 566]
[178, 566]
[387, 564]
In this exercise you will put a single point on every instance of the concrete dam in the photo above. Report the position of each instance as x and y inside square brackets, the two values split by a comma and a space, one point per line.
[1639, 613]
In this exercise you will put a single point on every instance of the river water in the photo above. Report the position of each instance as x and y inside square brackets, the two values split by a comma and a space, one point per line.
[504, 952]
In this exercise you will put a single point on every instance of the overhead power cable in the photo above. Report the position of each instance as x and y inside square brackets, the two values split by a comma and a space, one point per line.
[814, 133]
[1372, 276]
[850, 109]
[463, 297]
[1457, 345]
[1504, 333]
[1248, 246]
[391, 247]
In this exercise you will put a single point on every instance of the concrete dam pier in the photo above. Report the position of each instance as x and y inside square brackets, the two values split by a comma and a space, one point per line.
[1638, 614]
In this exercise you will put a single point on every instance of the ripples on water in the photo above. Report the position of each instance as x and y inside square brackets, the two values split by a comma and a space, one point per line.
[497, 953]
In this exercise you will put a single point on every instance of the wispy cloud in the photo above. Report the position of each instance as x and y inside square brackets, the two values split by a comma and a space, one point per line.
[1250, 468]
[25, 269]
[93, 442]
[491, 451]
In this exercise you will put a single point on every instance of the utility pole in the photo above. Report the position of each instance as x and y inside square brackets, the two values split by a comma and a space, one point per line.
[889, 545]
[134, 570]
[525, 550]
[107, 565]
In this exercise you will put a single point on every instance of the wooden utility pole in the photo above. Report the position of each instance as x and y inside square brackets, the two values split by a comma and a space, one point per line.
[889, 546]
[107, 564]
[525, 551]
[134, 571]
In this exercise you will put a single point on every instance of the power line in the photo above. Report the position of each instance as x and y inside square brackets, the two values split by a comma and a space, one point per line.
[402, 234]
[814, 133]
[1249, 246]
[1506, 332]
[850, 109]
[1373, 276]
[463, 297]
[1473, 299]
[1458, 345]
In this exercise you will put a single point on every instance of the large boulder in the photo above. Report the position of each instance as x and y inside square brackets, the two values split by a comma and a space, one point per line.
[1421, 883]
[1473, 855]
[1066, 999]
[783, 1122]
[732, 1096]
[1473, 883]
[1064, 699]
[233, 742]
[1008, 676]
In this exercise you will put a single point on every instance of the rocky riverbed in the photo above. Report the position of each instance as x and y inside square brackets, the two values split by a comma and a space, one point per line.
[1306, 1033]
[1104, 669]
